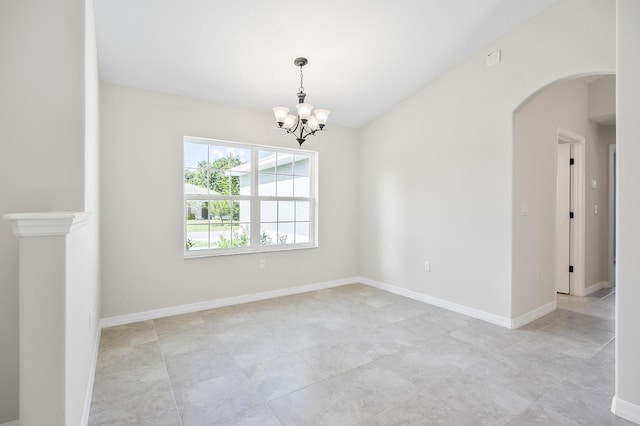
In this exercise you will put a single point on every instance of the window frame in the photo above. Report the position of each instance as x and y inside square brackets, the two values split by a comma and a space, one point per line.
[254, 199]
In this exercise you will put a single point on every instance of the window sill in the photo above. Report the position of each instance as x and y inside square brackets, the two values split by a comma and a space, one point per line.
[197, 254]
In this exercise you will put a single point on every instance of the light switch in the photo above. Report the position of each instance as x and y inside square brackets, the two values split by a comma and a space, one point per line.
[594, 184]
[524, 209]
[493, 58]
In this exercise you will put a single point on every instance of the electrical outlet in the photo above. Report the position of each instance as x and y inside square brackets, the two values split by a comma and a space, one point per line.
[262, 264]
[427, 266]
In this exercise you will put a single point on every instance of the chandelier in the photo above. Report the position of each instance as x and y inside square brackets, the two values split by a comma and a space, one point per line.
[305, 123]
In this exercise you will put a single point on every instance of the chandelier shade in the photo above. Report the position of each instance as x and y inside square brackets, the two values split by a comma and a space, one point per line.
[280, 113]
[307, 121]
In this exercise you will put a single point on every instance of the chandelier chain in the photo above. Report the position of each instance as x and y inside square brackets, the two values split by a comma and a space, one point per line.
[301, 88]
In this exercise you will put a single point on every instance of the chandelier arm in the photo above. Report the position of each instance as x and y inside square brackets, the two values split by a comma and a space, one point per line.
[292, 130]
[297, 126]
[309, 132]
[301, 137]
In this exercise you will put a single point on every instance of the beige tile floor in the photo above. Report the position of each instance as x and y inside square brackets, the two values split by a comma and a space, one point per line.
[358, 355]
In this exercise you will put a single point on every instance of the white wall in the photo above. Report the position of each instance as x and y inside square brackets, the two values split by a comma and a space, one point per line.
[602, 113]
[563, 105]
[602, 97]
[597, 218]
[42, 147]
[628, 210]
[82, 323]
[436, 170]
[83, 303]
[142, 205]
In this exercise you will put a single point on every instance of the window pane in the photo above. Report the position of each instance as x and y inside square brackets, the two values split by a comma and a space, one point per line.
[235, 184]
[242, 211]
[217, 156]
[197, 228]
[285, 233]
[197, 237]
[301, 165]
[302, 210]
[194, 209]
[226, 165]
[286, 211]
[267, 185]
[267, 162]
[196, 240]
[241, 236]
[195, 154]
[240, 171]
[219, 182]
[220, 211]
[220, 235]
[285, 164]
[195, 181]
[268, 211]
[240, 183]
[268, 234]
[285, 186]
[302, 186]
[262, 155]
[240, 156]
[302, 232]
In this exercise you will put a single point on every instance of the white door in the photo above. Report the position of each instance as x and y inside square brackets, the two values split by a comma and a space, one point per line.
[563, 224]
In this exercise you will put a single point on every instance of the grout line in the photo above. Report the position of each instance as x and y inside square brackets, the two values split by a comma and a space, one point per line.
[605, 345]
[164, 362]
[274, 413]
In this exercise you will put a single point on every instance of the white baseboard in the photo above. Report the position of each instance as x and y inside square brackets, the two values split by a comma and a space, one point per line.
[595, 287]
[13, 423]
[455, 307]
[217, 303]
[533, 315]
[92, 376]
[626, 410]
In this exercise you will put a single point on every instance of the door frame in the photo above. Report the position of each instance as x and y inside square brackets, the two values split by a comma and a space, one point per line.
[564, 191]
[577, 206]
[612, 213]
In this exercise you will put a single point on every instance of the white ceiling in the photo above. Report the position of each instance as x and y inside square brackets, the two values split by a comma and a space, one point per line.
[364, 55]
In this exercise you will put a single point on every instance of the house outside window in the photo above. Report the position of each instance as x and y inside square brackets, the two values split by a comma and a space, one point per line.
[242, 198]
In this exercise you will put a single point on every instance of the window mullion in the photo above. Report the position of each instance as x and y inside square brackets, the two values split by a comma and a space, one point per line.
[255, 204]
[313, 228]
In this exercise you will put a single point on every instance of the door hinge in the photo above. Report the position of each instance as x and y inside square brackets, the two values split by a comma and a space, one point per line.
[572, 161]
[570, 268]
[570, 215]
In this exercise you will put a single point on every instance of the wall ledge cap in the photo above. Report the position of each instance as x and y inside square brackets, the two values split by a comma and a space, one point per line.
[46, 224]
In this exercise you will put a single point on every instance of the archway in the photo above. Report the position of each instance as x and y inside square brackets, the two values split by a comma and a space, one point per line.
[558, 112]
